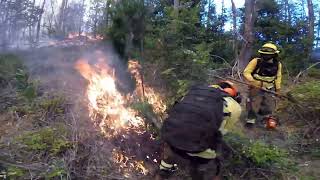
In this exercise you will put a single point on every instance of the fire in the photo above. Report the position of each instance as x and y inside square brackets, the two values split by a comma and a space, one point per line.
[144, 90]
[89, 36]
[124, 162]
[110, 113]
[106, 104]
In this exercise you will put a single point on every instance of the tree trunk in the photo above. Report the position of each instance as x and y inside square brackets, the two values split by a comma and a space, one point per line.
[95, 22]
[176, 5]
[107, 13]
[234, 25]
[39, 21]
[303, 14]
[61, 23]
[318, 32]
[311, 23]
[81, 17]
[53, 17]
[287, 16]
[248, 35]
[208, 16]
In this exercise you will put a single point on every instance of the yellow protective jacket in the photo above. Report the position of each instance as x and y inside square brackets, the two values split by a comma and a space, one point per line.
[260, 81]
[232, 108]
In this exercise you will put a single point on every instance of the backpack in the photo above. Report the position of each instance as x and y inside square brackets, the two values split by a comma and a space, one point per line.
[264, 68]
[193, 123]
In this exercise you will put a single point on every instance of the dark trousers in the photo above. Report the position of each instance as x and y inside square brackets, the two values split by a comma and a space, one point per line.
[196, 167]
[260, 103]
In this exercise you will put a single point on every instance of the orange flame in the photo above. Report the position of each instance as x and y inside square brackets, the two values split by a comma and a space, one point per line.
[124, 162]
[89, 36]
[104, 99]
[108, 107]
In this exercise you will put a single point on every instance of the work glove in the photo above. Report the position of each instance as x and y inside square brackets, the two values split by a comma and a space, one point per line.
[238, 98]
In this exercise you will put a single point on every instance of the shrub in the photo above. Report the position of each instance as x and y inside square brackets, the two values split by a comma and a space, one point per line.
[56, 169]
[15, 172]
[308, 94]
[53, 105]
[51, 140]
[258, 154]
[314, 73]
[9, 66]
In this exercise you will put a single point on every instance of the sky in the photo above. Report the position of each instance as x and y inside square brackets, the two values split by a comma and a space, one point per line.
[227, 5]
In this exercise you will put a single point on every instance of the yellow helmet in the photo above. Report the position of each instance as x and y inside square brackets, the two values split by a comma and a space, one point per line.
[269, 48]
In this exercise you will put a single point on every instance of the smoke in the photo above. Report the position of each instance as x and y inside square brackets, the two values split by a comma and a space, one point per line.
[54, 67]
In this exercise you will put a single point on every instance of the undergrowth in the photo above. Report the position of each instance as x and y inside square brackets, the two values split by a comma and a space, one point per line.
[9, 66]
[251, 159]
[48, 139]
[39, 135]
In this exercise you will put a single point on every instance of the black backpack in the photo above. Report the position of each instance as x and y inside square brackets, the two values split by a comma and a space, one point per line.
[193, 123]
[264, 68]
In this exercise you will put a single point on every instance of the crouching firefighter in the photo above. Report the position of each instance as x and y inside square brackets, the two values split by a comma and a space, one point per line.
[192, 133]
[263, 72]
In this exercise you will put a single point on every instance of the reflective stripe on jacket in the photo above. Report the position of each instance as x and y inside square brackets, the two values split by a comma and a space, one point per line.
[262, 81]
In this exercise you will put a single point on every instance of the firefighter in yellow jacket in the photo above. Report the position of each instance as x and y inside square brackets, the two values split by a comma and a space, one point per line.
[263, 72]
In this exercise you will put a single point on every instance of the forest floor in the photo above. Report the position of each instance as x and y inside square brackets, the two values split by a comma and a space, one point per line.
[54, 70]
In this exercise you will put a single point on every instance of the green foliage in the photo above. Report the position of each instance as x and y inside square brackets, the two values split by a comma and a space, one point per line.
[57, 169]
[183, 48]
[314, 73]
[14, 172]
[291, 37]
[22, 109]
[308, 94]
[144, 108]
[308, 178]
[51, 140]
[264, 155]
[9, 65]
[22, 79]
[53, 105]
[127, 25]
[176, 40]
[259, 154]
[26, 88]
[13, 71]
